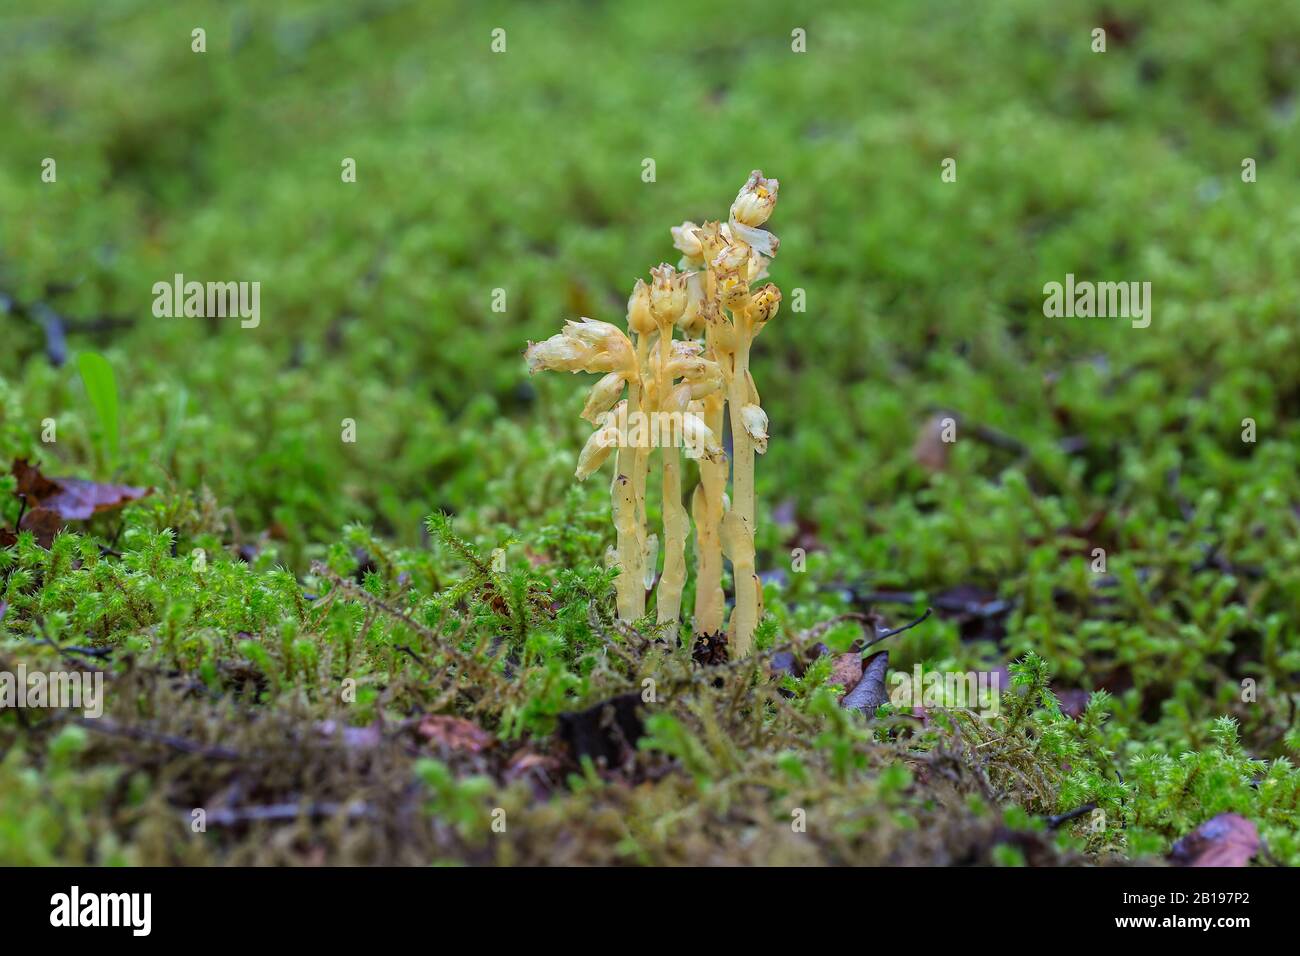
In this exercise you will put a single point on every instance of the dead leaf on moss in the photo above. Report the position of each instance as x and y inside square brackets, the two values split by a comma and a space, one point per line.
[53, 501]
[930, 450]
[847, 671]
[455, 733]
[1073, 700]
[43, 523]
[870, 692]
[1226, 840]
[32, 485]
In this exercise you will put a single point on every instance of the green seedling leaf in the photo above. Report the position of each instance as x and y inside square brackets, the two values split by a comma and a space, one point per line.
[101, 388]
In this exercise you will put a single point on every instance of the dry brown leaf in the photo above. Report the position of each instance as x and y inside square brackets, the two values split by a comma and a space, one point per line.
[455, 733]
[930, 450]
[847, 671]
[53, 501]
[1226, 840]
[870, 692]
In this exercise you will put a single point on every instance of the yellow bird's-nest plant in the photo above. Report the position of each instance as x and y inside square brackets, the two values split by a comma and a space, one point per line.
[674, 394]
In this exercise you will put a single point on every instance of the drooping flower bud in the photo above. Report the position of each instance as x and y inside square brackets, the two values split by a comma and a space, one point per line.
[593, 454]
[688, 243]
[755, 420]
[610, 340]
[755, 201]
[639, 318]
[586, 346]
[733, 257]
[698, 439]
[692, 320]
[764, 304]
[560, 353]
[754, 204]
[603, 396]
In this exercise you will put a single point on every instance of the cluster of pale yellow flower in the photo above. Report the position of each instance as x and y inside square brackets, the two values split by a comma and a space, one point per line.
[677, 394]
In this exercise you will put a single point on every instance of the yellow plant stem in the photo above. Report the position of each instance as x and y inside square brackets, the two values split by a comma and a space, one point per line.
[706, 508]
[677, 525]
[629, 510]
[628, 586]
[642, 465]
[740, 520]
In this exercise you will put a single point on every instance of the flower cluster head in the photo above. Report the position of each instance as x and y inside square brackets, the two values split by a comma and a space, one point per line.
[584, 346]
[667, 294]
[753, 207]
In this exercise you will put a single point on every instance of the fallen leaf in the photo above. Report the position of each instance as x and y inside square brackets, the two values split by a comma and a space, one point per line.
[525, 762]
[980, 614]
[43, 523]
[847, 671]
[870, 692]
[53, 501]
[32, 485]
[1073, 700]
[1226, 840]
[930, 450]
[784, 663]
[77, 500]
[455, 733]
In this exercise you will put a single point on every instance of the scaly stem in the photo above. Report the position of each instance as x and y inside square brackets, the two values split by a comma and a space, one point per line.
[738, 531]
[706, 508]
[676, 524]
[629, 512]
[640, 467]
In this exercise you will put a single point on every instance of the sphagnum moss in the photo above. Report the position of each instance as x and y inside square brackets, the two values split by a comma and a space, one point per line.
[692, 383]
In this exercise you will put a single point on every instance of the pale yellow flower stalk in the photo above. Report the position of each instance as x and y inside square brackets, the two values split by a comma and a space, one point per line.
[591, 346]
[667, 304]
[734, 267]
[698, 244]
[635, 579]
[633, 460]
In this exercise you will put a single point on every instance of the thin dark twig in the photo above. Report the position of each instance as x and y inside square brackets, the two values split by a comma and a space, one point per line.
[151, 736]
[406, 649]
[70, 653]
[898, 630]
[1060, 819]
